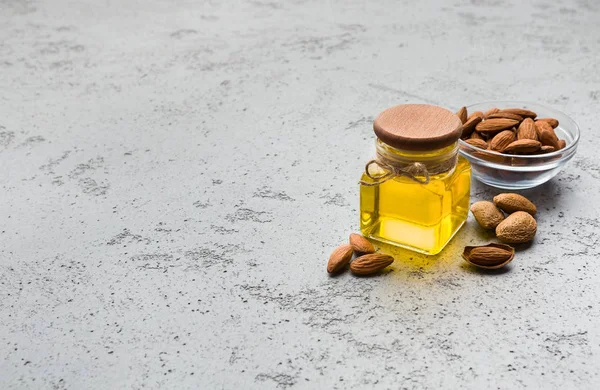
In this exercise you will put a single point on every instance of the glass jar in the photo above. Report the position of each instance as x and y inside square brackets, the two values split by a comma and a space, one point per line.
[418, 198]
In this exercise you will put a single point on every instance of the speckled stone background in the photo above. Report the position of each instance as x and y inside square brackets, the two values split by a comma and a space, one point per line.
[175, 174]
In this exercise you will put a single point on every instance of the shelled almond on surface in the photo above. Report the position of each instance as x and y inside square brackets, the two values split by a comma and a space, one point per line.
[507, 115]
[370, 264]
[361, 245]
[523, 146]
[521, 112]
[489, 256]
[339, 259]
[495, 125]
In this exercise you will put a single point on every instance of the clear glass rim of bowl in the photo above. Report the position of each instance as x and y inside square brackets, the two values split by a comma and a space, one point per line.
[566, 153]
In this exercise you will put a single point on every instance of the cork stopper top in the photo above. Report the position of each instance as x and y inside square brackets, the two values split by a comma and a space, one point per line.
[417, 127]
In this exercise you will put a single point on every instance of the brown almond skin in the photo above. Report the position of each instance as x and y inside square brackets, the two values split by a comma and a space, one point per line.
[490, 112]
[517, 228]
[489, 256]
[476, 113]
[462, 114]
[511, 202]
[502, 140]
[540, 126]
[507, 115]
[562, 144]
[476, 135]
[527, 130]
[487, 214]
[339, 259]
[551, 121]
[370, 264]
[521, 112]
[477, 143]
[361, 245]
[549, 138]
[469, 126]
[523, 146]
[495, 125]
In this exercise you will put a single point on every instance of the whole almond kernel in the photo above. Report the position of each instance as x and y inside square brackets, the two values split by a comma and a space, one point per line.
[546, 149]
[476, 113]
[462, 114]
[521, 112]
[549, 138]
[527, 130]
[507, 115]
[490, 112]
[494, 125]
[477, 143]
[370, 264]
[551, 121]
[340, 257]
[517, 228]
[489, 256]
[476, 135]
[361, 245]
[562, 144]
[523, 146]
[502, 140]
[469, 126]
[510, 202]
[540, 126]
[487, 214]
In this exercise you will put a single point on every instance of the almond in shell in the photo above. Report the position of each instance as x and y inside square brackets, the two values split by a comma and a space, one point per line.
[517, 228]
[487, 214]
[339, 259]
[361, 245]
[510, 202]
[370, 264]
[489, 256]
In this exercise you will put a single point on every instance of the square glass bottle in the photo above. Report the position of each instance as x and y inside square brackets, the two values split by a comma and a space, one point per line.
[418, 196]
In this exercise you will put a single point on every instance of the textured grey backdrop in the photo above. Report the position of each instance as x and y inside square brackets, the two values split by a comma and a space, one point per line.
[175, 174]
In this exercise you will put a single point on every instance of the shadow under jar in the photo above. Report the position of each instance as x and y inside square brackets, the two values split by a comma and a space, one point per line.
[415, 193]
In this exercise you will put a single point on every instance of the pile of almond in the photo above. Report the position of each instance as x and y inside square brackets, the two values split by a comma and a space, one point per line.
[367, 262]
[510, 131]
[511, 217]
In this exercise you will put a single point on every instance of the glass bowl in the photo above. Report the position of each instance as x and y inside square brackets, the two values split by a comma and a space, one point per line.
[517, 172]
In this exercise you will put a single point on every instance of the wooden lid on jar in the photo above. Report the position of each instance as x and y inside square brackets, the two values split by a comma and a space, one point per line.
[417, 127]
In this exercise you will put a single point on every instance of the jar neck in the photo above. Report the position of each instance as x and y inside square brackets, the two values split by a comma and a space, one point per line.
[436, 161]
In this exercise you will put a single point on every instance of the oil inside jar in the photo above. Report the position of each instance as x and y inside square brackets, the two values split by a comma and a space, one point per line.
[420, 217]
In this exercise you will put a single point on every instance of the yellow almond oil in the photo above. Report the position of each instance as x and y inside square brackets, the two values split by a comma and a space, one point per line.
[420, 217]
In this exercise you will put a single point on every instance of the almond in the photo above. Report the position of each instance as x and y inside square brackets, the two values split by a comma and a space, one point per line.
[523, 146]
[517, 228]
[562, 144]
[489, 256]
[370, 264]
[339, 259]
[546, 149]
[549, 138]
[527, 130]
[477, 143]
[504, 114]
[469, 126]
[551, 121]
[502, 140]
[490, 112]
[487, 214]
[541, 126]
[476, 135]
[361, 245]
[494, 125]
[521, 112]
[510, 202]
[462, 114]
[475, 114]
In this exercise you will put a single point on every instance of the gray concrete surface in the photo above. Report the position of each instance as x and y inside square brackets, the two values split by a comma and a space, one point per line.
[175, 174]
